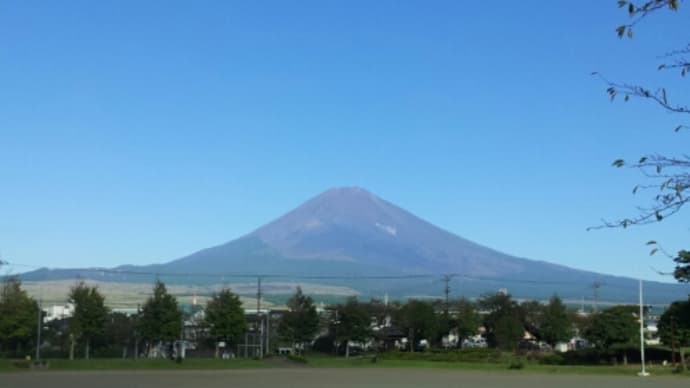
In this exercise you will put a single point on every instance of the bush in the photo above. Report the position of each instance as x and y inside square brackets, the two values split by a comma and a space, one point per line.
[24, 364]
[516, 363]
[458, 355]
[593, 356]
[552, 359]
[324, 344]
[295, 358]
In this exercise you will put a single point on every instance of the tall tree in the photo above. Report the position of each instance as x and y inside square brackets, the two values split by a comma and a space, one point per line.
[557, 323]
[225, 317]
[419, 320]
[617, 325]
[18, 315]
[353, 324]
[120, 330]
[505, 321]
[667, 176]
[533, 313]
[161, 318]
[466, 319]
[89, 315]
[300, 323]
[674, 327]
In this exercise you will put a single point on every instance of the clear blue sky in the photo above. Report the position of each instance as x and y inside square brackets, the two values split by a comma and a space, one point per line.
[139, 132]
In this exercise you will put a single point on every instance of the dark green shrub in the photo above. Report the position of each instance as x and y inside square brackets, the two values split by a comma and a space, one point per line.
[516, 363]
[21, 364]
[295, 358]
[454, 355]
[552, 359]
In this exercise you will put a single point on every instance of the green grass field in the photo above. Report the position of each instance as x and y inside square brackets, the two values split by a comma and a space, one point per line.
[630, 370]
[141, 364]
[305, 377]
[321, 362]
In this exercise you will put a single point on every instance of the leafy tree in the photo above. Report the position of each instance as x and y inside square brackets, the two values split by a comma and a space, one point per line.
[617, 325]
[674, 326]
[225, 317]
[301, 322]
[682, 270]
[557, 323]
[89, 315]
[18, 315]
[505, 321]
[377, 309]
[533, 313]
[354, 322]
[161, 317]
[466, 321]
[120, 330]
[667, 176]
[419, 319]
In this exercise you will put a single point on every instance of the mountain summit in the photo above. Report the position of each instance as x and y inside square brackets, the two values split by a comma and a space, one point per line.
[352, 224]
[351, 232]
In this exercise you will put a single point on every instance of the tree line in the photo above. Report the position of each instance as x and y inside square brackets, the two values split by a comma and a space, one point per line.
[158, 326]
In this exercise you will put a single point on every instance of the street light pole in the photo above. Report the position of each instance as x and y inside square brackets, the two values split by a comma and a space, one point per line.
[643, 372]
[259, 321]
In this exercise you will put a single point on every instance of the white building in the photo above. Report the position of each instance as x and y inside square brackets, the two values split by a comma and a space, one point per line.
[58, 312]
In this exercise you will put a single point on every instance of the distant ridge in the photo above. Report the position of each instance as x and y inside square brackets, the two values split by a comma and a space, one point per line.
[350, 231]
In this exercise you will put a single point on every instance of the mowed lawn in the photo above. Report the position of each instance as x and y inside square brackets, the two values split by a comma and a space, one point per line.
[324, 362]
[325, 377]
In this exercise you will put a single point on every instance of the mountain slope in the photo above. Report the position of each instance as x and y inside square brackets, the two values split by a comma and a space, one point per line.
[351, 232]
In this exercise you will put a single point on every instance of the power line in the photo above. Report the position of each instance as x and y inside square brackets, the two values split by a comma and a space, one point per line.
[446, 278]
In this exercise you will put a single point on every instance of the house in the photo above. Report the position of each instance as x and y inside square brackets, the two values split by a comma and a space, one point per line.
[56, 312]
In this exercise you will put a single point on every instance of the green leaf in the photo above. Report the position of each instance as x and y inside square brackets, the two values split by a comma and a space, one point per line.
[622, 3]
[678, 128]
[642, 160]
[620, 30]
[618, 163]
[653, 251]
[651, 242]
[635, 189]
[659, 217]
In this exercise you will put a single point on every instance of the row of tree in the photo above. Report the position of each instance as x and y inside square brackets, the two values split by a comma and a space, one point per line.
[503, 319]
[159, 323]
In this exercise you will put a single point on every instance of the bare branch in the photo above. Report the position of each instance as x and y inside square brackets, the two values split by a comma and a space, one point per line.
[671, 182]
[660, 96]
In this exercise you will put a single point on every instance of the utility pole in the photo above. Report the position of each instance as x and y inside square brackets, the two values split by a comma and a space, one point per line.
[673, 341]
[335, 323]
[446, 290]
[595, 287]
[268, 331]
[259, 322]
[38, 330]
[643, 372]
[136, 333]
